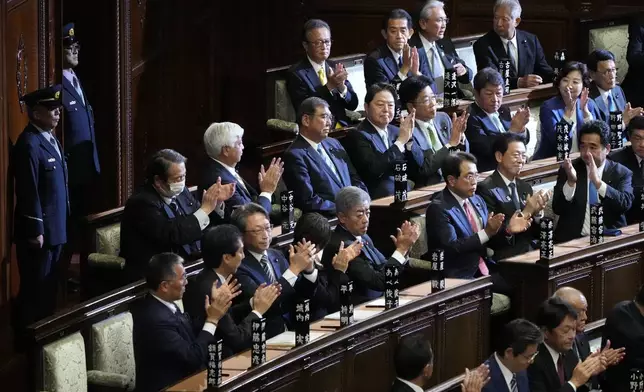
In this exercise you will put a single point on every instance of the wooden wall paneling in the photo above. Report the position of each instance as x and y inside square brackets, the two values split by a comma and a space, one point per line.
[5, 186]
[620, 276]
[370, 375]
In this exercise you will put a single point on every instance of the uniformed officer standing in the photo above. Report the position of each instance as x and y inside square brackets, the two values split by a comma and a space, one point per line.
[79, 138]
[42, 207]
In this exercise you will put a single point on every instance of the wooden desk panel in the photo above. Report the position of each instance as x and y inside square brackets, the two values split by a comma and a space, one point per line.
[359, 357]
[606, 273]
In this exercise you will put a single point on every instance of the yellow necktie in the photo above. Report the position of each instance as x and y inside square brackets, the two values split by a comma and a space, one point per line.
[322, 76]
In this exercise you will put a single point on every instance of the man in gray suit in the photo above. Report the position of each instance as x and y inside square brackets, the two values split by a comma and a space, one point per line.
[435, 133]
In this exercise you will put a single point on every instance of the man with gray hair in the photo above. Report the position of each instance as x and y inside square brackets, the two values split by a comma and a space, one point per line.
[316, 76]
[528, 65]
[367, 271]
[317, 166]
[440, 50]
[224, 146]
[577, 300]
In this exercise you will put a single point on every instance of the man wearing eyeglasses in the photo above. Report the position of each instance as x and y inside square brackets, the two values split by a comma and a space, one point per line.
[633, 158]
[440, 50]
[317, 76]
[608, 96]
[317, 166]
[261, 264]
[528, 65]
[458, 222]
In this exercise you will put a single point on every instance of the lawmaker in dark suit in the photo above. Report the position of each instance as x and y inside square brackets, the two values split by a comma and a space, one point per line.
[440, 51]
[528, 65]
[625, 328]
[458, 222]
[434, 133]
[224, 146]
[631, 157]
[634, 81]
[520, 340]
[80, 138]
[376, 145]
[396, 60]
[166, 349]
[572, 104]
[42, 208]
[163, 216]
[223, 251]
[367, 271]
[489, 118]
[315, 228]
[505, 193]
[262, 265]
[316, 166]
[589, 180]
[317, 76]
[557, 367]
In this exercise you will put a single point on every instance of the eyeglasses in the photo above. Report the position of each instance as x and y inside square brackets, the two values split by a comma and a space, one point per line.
[530, 357]
[265, 229]
[427, 101]
[609, 71]
[472, 177]
[74, 48]
[182, 278]
[442, 20]
[321, 42]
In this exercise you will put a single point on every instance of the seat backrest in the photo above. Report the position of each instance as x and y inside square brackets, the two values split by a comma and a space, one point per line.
[615, 39]
[108, 239]
[64, 366]
[465, 50]
[113, 348]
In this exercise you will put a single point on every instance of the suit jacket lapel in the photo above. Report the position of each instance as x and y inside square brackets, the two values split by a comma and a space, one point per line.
[599, 100]
[311, 76]
[69, 88]
[485, 119]
[457, 213]
[50, 148]
[522, 53]
[442, 129]
[321, 164]
[277, 268]
[497, 47]
[501, 190]
[421, 139]
[340, 166]
[479, 210]
[390, 62]
[375, 136]
[620, 100]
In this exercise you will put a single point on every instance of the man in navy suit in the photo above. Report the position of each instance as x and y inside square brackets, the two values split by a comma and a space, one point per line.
[224, 146]
[316, 166]
[434, 132]
[528, 65]
[396, 60]
[634, 81]
[458, 221]
[262, 265]
[163, 216]
[375, 146]
[490, 118]
[520, 340]
[631, 157]
[414, 363]
[588, 180]
[557, 368]
[42, 208]
[166, 349]
[505, 193]
[608, 96]
[367, 270]
[80, 139]
[316, 76]
[223, 251]
[440, 51]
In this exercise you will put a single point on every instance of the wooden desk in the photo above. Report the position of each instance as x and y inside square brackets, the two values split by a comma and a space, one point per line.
[359, 357]
[606, 273]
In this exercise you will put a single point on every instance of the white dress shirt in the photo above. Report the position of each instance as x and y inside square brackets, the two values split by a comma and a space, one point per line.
[399, 257]
[514, 52]
[397, 56]
[575, 138]
[569, 193]
[439, 74]
[240, 181]
[384, 134]
[483, 237]
[317, 67]
[69, 74]
[207, 326]
[290, 277]
[411, 385]
[555, 357]
[507, 374]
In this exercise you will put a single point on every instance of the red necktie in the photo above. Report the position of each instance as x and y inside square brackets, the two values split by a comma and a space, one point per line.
[560, 370]
[475, 228]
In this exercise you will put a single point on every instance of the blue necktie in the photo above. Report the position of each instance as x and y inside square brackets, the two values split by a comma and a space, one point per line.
[327, 160]
[399, 62]
[593, 197]
[611, 103]
[372, 253]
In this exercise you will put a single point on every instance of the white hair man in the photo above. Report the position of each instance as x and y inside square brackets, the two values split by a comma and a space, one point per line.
[224, 146]
[441, 53]
[528, 65]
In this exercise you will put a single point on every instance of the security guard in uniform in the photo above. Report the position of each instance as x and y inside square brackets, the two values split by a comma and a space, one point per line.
[42, 207]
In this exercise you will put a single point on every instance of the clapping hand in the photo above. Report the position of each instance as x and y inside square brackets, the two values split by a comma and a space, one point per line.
[407, 235]
[459, 124]
[344, 256]
[269, 179]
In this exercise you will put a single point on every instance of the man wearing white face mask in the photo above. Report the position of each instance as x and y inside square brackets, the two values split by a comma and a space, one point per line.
[163, 216]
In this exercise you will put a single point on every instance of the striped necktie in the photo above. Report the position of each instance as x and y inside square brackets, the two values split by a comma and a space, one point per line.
[513, 384]
[268, 269]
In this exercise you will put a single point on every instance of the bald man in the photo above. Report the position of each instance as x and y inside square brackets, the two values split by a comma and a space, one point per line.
[577, 300]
